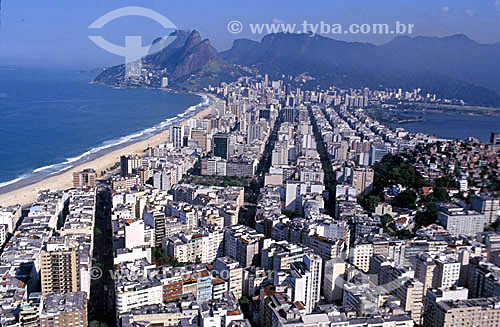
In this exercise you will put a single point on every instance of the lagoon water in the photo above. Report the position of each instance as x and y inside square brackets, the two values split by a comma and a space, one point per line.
[453, 125]
[52, 119]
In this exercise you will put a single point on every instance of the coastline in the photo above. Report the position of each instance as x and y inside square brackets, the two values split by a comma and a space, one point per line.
[25, 191]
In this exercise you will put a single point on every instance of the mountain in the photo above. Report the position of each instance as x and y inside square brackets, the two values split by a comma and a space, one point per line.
[242, 51]
[189, 62]
[453, 66]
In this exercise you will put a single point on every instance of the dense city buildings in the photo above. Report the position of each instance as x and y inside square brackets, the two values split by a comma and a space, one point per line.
[282, 206]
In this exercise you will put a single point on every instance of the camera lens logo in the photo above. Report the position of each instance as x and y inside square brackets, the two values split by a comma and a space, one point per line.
[133, 51]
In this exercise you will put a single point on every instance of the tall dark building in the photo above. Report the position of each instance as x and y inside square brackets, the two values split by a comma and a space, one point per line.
[123, 166]
[221, 145]
[265, 113]
[495, 138]
[128, 164]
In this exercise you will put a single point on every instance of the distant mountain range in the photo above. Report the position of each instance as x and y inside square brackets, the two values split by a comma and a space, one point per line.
[452, 67]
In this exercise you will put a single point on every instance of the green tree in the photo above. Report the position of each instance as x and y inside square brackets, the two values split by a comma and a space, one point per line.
[426, 217]
[457, 169]
[368, 202]
[404, 234]
[386, 219]
[406, 199]
[440, 194]
[445, 181]
[95, 323]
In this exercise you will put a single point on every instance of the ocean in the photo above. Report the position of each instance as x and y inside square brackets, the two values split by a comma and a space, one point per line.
[51, 120]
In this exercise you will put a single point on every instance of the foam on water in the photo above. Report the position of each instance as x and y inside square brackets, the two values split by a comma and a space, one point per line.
[121, 141]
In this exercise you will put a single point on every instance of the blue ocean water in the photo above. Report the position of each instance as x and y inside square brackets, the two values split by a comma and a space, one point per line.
[453, 125]
[51, 119]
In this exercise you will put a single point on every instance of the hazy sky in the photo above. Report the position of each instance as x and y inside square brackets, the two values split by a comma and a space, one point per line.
[55, 32]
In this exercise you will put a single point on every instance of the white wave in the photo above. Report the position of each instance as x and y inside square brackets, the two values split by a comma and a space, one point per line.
[43, 168]
[206, 99]
[14, 180]
[137, 136]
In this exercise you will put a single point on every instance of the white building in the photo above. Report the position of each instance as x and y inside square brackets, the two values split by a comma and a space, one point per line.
[230, 271]
[360, 256]
[333, 280]
[177, 136]
[460, 222]
[305, 280]
[134, 234]
[448, 272]
[9, 217]
[204, 246]
[3, 234]
[164, 82]
[138, 295]
[295, 191]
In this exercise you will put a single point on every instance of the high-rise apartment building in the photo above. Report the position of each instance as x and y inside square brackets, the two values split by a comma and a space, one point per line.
[460, 222]
[333, 280]
[448, 272]
[436, 272]
[203, 246]
[200, 137]
[59, 268]
[411, 296]
[362, 180]
[156, 220]
[360, 255]
[314, 264]
[472, 312]
[483, 279]
[378, 151]
[242, 244]
[3, 234]
[164, 82]
[486, 205]
[177, 136]
[425, 269]
[84, 178]
[305, 280]
[230, 271]
[128, 164]
[221, 146]
[434, 297]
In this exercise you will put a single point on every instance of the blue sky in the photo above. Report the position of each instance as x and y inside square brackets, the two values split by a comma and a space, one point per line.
[55, 32]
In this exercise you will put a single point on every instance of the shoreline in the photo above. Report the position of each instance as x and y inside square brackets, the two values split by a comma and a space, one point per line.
[25, 191]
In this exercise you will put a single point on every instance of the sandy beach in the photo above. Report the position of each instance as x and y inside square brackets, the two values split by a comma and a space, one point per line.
[64, 180]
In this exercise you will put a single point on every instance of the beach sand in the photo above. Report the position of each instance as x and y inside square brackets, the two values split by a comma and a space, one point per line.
[64, 180]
